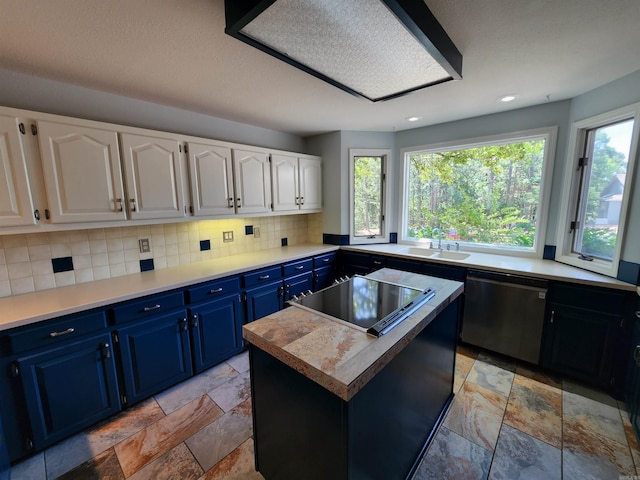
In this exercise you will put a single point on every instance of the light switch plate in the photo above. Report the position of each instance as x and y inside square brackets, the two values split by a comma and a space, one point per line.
[256, 232]
[227, 236]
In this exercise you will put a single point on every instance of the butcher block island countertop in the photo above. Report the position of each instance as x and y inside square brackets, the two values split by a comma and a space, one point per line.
[340, 358]
[331, 401]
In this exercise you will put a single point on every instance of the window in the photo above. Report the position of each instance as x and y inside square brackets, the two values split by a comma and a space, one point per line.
[368, 193]
[598, 186]
[485, 194]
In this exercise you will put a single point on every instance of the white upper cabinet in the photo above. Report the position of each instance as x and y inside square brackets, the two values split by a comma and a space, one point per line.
[310, 187]
[252, 181]
[284, 174]
[82, 173]
[211, 174]
[297, 183]
[16, 207]
[153, 176]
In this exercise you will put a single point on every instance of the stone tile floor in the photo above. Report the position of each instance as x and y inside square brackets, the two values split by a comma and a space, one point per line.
[507, 421]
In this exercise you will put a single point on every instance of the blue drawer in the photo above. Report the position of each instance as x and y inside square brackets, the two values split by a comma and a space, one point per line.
[264, 276]
[147, 306]
[52, 332]
[324, 260]
[295, 268]
[212, 290]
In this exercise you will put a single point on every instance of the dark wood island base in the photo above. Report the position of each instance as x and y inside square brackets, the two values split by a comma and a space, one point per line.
[304, 431]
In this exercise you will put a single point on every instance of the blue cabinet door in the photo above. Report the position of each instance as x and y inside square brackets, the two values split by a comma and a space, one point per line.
[216, 331]
[298, 284]
[68, 388]
[323, 277]
[264, 300]
[155, 354]
[4, 455]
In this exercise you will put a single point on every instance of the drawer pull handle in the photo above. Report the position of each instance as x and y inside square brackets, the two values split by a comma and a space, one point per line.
[152, 307]
[325, 260]
[63, 332]
[377, 262]
[215, 290]
[638, 313]
[264, 277]
[299, 267]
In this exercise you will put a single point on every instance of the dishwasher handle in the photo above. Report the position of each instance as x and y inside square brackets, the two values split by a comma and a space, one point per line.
[507, 278]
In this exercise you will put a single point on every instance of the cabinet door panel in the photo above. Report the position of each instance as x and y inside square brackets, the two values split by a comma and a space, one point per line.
[284, 172]
[69, 388]
[298, 284]
[155, 355]
[216, 331]
[82, 173]
[154, 177]
[310, 183]
[264, 301]
[578, 342]
[323, 277]
[253, 181]
[16, 207]
[211, 173]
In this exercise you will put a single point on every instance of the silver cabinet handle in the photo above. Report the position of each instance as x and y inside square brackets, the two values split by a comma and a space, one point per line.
[636, 355]
[63, 332]
[106, 350]
[325, 260]
[638, 313]
[552, 315]
[215, 290]
[299, 267]
[264, 277]
[152, 307]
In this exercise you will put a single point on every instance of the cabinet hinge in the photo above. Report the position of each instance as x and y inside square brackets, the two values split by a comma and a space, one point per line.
[34, 129]
[191, 209]
[180, 148]
[29, 444]
[114, 335]
[15, 370]
[244, 297]
[36, 214]
[574, 226]
[622, 323]
[583, 162]
[123, 399]
[21, 128]
[186, 148]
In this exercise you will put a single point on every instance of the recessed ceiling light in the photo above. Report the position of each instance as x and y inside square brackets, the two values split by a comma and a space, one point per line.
[413, 119]
[507, 98]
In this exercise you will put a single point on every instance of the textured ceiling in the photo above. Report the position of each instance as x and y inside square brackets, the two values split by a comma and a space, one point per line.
[175, 52]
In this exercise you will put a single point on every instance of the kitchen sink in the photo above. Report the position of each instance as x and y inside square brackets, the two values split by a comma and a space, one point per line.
[423, 252]
[451, 255]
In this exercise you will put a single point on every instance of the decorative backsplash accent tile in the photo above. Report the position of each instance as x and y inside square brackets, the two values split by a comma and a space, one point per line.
[26, 260]
[248, 229]
[146, 265]
[63, 264]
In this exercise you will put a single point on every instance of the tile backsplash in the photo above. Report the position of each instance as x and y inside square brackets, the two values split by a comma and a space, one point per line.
[26, 261]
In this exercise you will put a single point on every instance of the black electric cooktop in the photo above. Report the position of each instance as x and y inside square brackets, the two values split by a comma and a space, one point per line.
[370, 305]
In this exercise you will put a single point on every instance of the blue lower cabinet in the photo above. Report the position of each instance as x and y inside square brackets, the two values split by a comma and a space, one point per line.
[4, 454]
[216, 331]
[297, 284]
[323, 277]
[264, 300]
[155, 354]
[68, 388]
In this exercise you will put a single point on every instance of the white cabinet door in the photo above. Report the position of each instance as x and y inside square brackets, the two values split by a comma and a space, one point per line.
[284, 177]
[153, 176]
[211, 173]
[253, 181]
[16, 206]
[82, 173]
[310, 176]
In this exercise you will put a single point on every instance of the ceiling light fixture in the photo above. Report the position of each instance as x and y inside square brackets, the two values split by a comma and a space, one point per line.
[508, 98]
[376, 49]
[413, 119]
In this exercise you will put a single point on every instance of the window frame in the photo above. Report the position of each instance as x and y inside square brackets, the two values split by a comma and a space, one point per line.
[549, 134]
[571, 189]
[385, 153]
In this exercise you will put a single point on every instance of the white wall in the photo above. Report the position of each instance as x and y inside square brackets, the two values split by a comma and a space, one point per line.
[33, 93]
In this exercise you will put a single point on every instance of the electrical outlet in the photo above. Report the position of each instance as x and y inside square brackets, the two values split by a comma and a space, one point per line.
[227, 236]
[145, 245]
[256, 232]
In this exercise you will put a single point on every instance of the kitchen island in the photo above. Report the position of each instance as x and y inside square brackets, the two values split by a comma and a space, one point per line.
[330, 401]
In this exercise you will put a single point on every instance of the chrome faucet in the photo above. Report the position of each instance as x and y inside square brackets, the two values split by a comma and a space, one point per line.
[434, 232]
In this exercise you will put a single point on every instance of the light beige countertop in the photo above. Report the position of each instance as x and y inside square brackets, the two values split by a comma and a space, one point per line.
[33, 307]
[340, 358]
[532, 267]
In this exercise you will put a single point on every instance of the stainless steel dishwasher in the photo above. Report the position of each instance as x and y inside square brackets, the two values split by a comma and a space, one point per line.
[504, 313]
